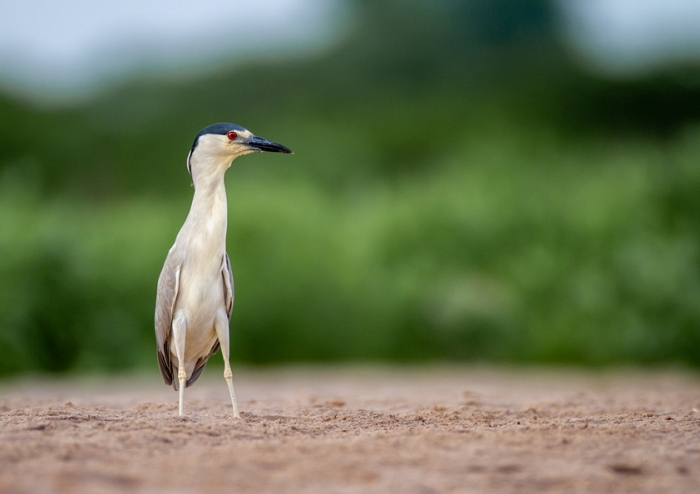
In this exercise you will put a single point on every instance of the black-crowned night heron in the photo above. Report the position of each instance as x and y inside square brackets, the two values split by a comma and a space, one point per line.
[195, 288]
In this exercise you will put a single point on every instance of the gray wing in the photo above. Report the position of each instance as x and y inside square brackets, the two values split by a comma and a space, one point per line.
[168, 285]
[228, 285]
[227, 280]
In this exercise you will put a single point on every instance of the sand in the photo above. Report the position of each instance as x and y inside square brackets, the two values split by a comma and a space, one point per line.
[364, 430]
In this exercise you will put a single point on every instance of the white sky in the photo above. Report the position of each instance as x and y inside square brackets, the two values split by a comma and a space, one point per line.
[56, 48]
[628, 37]
[71, 45]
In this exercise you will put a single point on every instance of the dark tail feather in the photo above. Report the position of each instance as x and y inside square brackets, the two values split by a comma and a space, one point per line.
[201, 363]
[165, 365]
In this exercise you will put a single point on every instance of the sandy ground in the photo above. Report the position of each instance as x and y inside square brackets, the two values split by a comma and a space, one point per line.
[328, 430]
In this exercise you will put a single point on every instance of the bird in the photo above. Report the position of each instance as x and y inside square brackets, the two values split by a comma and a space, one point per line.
[195, 292]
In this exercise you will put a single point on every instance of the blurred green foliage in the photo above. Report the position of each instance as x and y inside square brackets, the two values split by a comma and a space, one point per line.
[459, 190]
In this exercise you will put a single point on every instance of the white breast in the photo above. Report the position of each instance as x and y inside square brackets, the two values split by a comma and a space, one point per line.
[201, 290]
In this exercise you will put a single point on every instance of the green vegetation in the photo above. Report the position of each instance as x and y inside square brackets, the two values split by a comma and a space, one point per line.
[467, 199]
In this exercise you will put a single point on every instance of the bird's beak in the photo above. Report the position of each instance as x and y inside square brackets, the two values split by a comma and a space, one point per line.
[261, 144]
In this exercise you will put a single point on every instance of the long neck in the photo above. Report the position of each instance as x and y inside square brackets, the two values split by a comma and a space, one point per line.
[209, 199]
[208, 213]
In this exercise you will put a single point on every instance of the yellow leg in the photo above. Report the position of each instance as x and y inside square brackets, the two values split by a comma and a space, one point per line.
[221, 327]
[179, 331]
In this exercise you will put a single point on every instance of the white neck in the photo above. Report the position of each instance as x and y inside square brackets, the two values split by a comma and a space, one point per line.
[209, 196]
[209, 211]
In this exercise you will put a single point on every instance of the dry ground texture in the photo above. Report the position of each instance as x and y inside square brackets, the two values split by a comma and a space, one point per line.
[327, 430]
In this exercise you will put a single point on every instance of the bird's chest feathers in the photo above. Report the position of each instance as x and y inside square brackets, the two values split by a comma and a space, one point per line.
[208, 240]
[204, 239]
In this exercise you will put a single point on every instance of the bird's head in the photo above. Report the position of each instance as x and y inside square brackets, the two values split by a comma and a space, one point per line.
[217, 145]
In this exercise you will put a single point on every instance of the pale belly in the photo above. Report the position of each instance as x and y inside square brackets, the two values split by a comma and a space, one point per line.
[200, 298]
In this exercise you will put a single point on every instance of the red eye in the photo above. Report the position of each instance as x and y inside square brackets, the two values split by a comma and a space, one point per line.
[232, 136]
